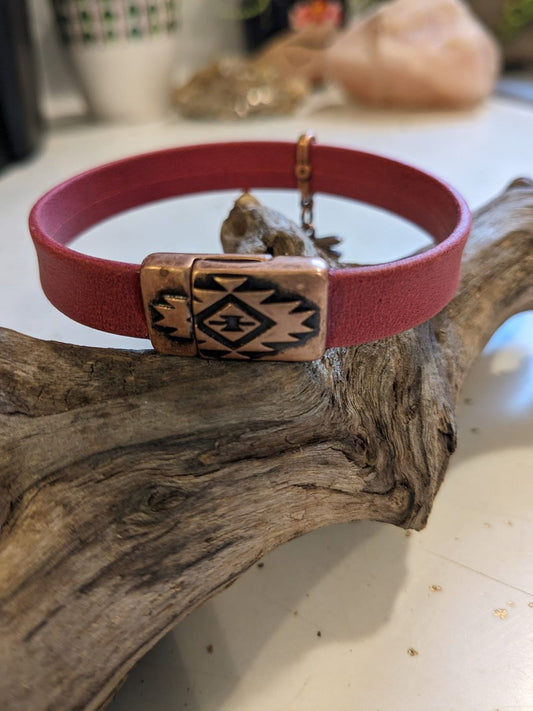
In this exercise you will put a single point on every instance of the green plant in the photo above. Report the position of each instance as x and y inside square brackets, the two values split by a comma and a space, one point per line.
[516, 14]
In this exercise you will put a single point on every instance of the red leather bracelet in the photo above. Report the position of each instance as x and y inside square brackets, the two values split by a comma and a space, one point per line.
[285, 308]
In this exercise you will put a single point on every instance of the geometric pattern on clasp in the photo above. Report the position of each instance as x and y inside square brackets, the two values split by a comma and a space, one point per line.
[246, 317]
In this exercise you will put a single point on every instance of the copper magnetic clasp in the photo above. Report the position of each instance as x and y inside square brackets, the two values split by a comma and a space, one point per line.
[303, 172]
[244, 307]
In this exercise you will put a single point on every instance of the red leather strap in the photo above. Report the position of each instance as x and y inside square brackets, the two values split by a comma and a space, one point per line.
[365, 303]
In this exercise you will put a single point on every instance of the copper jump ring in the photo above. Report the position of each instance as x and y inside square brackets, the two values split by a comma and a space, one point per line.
[303, 172]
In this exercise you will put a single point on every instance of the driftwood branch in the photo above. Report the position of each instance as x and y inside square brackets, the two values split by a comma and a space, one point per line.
[133, 486]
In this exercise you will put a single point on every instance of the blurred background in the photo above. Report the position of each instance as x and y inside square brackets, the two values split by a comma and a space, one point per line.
[133, 61]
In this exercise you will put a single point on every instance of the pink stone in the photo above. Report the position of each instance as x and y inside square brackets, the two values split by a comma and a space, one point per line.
[415, 53]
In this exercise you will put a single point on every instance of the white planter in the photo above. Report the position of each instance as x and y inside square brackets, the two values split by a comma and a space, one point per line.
[123, 53]
[126, 81]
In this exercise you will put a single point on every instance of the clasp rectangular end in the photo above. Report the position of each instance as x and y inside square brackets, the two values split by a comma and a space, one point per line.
[237, 307]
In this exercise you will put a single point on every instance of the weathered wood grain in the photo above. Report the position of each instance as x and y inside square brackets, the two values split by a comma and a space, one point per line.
[134, 486]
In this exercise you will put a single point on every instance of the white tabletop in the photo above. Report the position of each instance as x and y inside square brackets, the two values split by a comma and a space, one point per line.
[326, 622]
